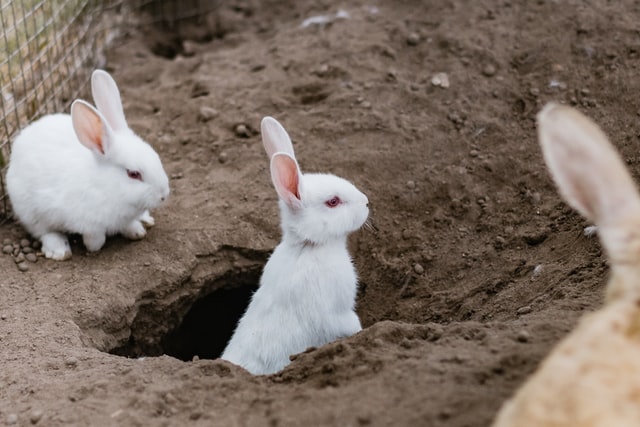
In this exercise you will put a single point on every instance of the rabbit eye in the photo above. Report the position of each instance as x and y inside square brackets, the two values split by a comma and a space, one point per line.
[333, 202]
[134, 175]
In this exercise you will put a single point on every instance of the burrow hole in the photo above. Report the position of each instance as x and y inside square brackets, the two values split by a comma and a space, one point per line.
[190, 325]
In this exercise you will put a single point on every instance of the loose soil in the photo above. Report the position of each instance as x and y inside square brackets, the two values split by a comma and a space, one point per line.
[475, 270]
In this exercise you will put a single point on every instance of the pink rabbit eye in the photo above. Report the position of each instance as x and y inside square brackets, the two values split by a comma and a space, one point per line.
[333, 202]
[134, 175]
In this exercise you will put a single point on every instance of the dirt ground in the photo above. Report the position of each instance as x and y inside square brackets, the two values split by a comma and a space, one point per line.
[476, 269]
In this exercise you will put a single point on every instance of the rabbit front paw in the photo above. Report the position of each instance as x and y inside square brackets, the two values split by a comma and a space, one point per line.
[134, 231]
[56, 246]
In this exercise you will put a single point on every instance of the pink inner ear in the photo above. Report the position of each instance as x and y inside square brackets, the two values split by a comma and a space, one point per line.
[89, 127]
[286, 177]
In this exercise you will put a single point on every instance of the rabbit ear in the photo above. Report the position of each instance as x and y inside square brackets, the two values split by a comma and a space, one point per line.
[90, 127]
[274, 138]
[286, 178]
[589, 172]
[107, 98]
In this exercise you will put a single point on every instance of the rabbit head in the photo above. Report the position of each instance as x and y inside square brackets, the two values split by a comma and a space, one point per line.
[105, 132]
[593, 179]
[591, 378]
[315, 208]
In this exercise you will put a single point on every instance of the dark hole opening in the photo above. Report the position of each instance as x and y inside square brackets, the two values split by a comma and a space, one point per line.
[191, 326]
[209, 324]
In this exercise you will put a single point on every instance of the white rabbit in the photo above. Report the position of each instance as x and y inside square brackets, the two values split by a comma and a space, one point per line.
[592, 377]
[85, 173]
[308, 288]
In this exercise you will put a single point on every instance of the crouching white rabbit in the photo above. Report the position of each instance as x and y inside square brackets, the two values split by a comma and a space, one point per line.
[308, 288]
[85, 173]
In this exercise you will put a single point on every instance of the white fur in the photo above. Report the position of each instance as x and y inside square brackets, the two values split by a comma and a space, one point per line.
[60, 182]
[308, 288]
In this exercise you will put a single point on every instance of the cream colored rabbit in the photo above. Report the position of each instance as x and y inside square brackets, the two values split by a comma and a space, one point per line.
[592, 378]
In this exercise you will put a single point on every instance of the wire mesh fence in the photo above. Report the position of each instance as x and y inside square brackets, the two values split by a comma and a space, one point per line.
[48, 49]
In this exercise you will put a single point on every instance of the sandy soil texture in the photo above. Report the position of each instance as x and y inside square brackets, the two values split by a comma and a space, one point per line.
[476, 269]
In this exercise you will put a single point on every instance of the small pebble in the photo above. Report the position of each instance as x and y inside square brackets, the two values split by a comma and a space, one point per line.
[7, 249]
[3, 317]
[418, 268]
[523, 336]
[242, 131]
[71, 362]
[413, 39]
[31, 257]
[25, 243]
[7, 242]
[207, 113]
[195, 358]
[188, 48]
[524, 310]
[411, 185]
[35, 416]
[474, 153]
[440, 80]
[366, 104]
[489, 70]
[12, 419]
[27, 250]
[23, 266]
[222, 158]
[20, 258]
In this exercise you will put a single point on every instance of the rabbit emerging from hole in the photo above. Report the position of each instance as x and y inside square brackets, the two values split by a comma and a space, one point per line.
[85, 173]
[308, 288]
[592, 378]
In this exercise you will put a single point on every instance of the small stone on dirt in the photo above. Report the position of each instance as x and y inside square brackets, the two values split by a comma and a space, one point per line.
[413, 39]
[188, 48]
[25, 243]
[12, 419]
[35, 416]
[242, 131]
[7, 249]
[71, 362]
[524, 310]
[6, 242]
[407, 234]
[418, 268]
[27, 250]
[489, 70]
[411, 185]
[440, 80]
[474, 153]
[23, 267]
[19, 258]
[222, 158]
[31, 257]
[523, 336]
[3, 317]
[199, 89]
[207, 113]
